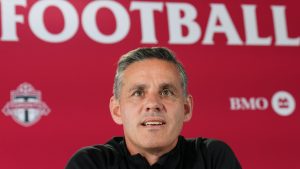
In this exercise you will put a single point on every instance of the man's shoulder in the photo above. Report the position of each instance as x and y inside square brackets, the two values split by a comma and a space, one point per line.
[99, 149]
[208, 144]
[96, 156]
[213, 152]
[112, 147]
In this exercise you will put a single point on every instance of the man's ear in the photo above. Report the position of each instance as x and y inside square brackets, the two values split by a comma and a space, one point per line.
[115, 112]
[188, 108]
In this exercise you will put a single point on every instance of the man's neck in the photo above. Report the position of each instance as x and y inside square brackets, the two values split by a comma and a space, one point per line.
[152, 155]
[152, 158]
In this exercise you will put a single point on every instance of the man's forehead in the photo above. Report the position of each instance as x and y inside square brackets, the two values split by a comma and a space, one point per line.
[152, 65]
[147, 71]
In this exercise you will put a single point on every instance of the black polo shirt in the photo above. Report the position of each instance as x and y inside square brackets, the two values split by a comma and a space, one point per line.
[197, 153]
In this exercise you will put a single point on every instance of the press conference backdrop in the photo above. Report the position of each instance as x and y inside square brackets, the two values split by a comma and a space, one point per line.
[58, 58]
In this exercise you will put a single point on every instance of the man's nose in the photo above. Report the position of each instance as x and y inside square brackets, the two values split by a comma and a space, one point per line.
[154, 103]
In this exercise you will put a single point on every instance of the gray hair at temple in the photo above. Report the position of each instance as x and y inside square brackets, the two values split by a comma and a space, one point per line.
[141, 54]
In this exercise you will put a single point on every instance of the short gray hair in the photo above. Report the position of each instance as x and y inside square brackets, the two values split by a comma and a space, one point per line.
[140, 54]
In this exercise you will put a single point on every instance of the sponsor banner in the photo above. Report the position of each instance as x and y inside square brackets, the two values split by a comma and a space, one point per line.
[242, 59]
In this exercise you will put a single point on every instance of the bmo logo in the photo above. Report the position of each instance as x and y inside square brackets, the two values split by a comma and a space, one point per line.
[252, 103]
[282, 102]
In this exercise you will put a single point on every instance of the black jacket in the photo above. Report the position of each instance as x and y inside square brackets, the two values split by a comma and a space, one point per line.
[197, 153]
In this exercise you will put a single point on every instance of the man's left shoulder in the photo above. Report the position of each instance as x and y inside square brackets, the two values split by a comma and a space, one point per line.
[215, 152]
[209, 144]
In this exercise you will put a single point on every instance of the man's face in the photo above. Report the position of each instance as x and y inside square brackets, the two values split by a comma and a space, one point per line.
[152, 106]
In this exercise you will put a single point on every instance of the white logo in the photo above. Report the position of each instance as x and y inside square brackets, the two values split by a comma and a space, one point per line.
[283, 103]
[252, 103]
[26, 106]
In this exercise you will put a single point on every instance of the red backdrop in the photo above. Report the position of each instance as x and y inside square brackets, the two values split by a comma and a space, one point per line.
[233, 79]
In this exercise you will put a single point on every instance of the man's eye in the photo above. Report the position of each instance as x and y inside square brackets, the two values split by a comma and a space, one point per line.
[167, 92]
[138, 93]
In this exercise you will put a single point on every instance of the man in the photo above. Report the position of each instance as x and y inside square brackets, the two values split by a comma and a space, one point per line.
[151, 102]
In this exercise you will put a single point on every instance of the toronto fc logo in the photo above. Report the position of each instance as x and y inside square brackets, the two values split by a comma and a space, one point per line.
[26, 106]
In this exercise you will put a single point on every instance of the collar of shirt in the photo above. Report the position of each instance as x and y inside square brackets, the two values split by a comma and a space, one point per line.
[166, 161]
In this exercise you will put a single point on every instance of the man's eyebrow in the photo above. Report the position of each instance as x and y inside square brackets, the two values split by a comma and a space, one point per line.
[168, 86]
[137, 86]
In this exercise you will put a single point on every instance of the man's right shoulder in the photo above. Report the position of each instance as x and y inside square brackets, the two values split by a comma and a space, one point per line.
[94, 157]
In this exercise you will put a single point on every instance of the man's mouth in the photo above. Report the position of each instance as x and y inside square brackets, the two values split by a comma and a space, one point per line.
[153, 123]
